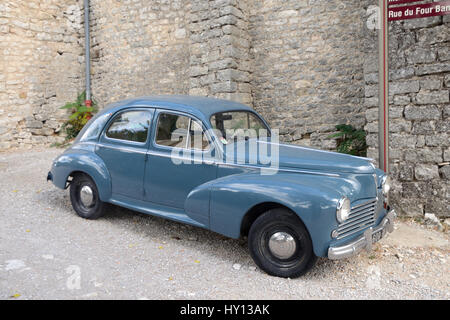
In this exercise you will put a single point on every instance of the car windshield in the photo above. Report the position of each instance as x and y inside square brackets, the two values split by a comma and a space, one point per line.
[239, 125]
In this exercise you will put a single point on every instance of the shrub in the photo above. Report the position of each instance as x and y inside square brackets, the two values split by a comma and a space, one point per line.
[350, 140]
[80, 115]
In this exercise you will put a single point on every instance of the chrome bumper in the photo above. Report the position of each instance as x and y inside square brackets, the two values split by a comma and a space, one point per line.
[365, 241]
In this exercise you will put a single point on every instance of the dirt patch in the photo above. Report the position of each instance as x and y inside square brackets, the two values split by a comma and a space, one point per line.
[414, 236]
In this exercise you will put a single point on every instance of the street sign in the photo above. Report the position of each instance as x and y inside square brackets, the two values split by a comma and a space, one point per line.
[416, 11]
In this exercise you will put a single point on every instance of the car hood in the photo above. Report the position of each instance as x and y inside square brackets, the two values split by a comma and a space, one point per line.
[298, 157]
[308, 158]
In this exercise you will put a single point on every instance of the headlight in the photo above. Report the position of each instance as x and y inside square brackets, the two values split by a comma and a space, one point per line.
[343, 210]
[386, 185]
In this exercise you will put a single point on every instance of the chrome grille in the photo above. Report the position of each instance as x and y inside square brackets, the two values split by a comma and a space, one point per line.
[360, 218]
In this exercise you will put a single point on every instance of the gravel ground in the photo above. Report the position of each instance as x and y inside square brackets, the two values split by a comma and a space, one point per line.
[48, 252]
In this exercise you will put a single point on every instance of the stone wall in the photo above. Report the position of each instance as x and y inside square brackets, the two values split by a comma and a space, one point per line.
[220, 64]
[306, 65]
[40, 68]
[419, 113]
[288, 59]
[139, 47]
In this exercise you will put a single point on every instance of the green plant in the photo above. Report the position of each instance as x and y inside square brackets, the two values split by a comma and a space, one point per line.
[80, 115]
[350, 140]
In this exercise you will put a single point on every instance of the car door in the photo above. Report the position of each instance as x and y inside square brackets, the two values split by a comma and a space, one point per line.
[179, 160]
[122, 146]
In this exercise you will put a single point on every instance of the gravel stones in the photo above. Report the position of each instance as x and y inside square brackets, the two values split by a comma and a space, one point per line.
[118, 256]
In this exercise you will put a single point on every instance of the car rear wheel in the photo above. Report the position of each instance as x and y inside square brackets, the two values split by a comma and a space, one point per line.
[280, 244]
[84, 197]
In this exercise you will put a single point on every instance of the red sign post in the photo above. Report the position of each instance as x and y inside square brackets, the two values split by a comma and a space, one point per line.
[383, 88]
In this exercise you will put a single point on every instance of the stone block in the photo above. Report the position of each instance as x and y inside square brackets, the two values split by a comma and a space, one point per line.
[422, 113]
[445, 172]
[421, 55]
[433, 97]
[425, 172]
[430, 84]
[437, 34]
[432, 68]
[404, 87]
[424, 155]
[33, 124]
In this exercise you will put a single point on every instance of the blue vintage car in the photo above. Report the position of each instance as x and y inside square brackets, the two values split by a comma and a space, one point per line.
[216, 164]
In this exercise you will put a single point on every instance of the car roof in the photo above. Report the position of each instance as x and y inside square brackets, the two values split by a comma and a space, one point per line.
[203, 107]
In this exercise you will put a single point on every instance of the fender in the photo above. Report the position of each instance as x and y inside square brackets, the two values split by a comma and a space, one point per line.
[313, 199]
[81, 159]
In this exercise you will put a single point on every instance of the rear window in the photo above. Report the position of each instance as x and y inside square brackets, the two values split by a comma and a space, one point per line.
[92, 129]
[130, 126]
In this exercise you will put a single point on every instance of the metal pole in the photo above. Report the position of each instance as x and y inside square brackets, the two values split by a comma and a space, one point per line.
[87, 45]
[383, 58]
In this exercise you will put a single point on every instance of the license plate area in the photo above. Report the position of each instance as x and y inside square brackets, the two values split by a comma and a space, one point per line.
[376, 236]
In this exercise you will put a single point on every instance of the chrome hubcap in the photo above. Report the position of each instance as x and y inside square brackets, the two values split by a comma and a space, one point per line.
[282, 245]
[86, 196]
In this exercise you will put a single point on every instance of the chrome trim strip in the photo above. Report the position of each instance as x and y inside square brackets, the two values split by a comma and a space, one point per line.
[353, 232]
[85, 142]
[294, 146]
[192, 159]
[353, 229]
[357, 214]
[365, 203]
[121, 148]
[278, 169]
[355, 222]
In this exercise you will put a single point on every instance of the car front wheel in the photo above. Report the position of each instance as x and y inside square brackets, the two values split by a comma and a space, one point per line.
[84, 197]
[280, 244]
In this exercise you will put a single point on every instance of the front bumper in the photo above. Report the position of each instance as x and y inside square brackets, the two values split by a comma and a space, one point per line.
[365, 241]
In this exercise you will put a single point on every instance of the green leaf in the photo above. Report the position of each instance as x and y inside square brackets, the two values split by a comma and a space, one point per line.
[350, 140]
[74, 116]
[84, 109]
[81, 98]
[335, 135]
[69, 105]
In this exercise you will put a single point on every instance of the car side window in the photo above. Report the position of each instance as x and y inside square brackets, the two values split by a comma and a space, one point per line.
[197, 137]
[172, 130]
[130, 126]
[179, 131]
